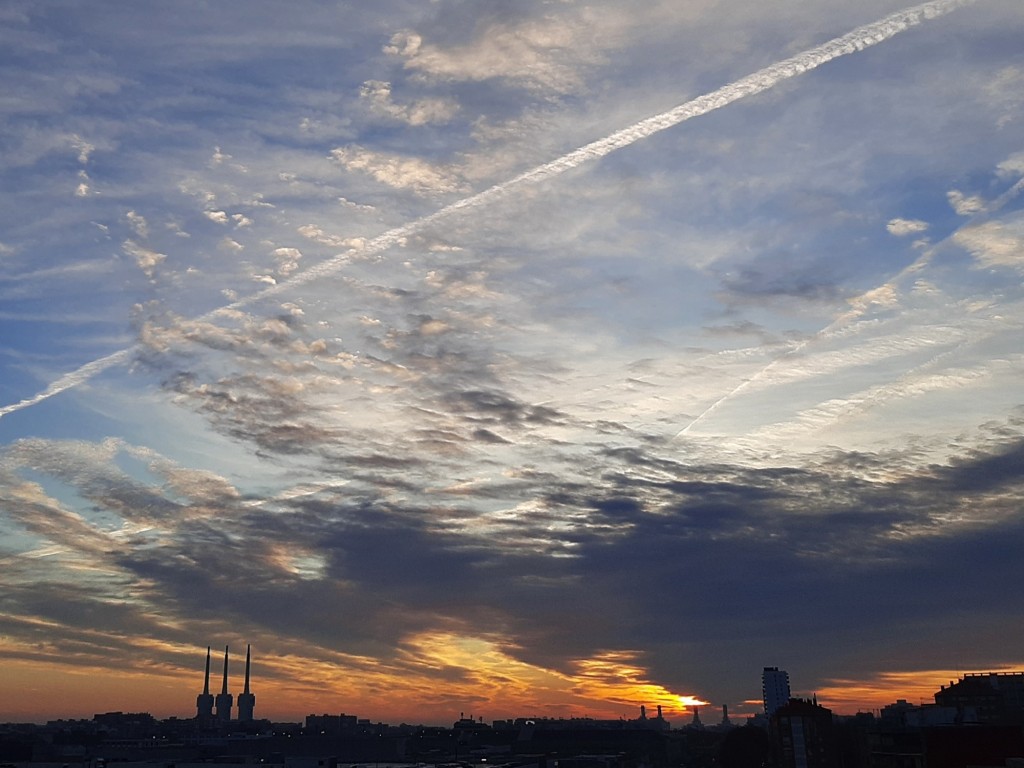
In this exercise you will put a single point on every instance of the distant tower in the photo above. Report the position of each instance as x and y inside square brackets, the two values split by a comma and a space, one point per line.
[224, 699]
[726, 722]
[774, 689]
[696, 723]
[246, 700]
[204, 701]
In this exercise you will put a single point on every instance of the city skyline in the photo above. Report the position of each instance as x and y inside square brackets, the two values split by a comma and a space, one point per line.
[213, 713]
[554, 359]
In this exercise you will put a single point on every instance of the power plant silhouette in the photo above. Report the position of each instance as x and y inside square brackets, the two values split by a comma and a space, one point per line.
[212, 711]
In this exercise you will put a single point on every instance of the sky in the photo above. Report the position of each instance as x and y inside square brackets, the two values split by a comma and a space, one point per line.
[548, 358]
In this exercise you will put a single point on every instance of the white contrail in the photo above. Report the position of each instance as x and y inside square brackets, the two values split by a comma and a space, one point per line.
[73, 379]
[857, 40]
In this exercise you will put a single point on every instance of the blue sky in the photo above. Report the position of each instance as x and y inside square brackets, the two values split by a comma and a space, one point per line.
[743, 392]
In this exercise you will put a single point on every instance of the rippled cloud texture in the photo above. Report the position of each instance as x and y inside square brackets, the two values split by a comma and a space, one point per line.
[537, 360]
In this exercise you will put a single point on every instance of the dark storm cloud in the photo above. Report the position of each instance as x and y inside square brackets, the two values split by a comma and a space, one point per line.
[658, 539]
[646, 554]
[1004, 469]
[386, 573]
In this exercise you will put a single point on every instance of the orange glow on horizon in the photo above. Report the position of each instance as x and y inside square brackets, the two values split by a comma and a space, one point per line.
[850, 696]
[435, 677]
[432, 678]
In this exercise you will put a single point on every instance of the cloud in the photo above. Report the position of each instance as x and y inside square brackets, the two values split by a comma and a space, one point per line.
[319, 235]
[84, 148]
[1012, 166]
[398, 172]
[218, 217]
[994, 243]
[914, 385]
[287, 260]
[903, 227]
[964, 205]
[146, 259]
[1004, 93]
[465, 450]
[541, 54]
[407, 589]
[412, 172]
[753, 283]
[491, 407]
[422, 112]
[138, 224]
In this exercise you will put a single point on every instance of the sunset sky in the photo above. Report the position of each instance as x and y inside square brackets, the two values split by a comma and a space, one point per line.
[547, 358]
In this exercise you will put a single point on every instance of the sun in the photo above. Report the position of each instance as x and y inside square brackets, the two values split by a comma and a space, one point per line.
[692, 701]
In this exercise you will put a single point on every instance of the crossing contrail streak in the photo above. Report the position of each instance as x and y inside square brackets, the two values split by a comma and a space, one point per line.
[860, 306]
[852, 42]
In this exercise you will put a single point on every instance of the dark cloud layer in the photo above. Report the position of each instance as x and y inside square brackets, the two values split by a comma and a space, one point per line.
[820, 566]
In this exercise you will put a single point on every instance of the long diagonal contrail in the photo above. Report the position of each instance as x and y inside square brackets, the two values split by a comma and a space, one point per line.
[857, 40]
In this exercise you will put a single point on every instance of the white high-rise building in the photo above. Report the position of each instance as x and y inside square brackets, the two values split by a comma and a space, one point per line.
[774, 689]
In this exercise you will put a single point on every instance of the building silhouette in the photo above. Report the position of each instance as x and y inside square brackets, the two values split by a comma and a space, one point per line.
[774, 689]
[976, 721]
[246, 699]
[224, 699]
[204, 701]
[726, 722]
[803, 736]
[985, 697]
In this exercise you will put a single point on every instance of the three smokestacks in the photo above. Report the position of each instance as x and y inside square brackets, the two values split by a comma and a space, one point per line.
[217, 709]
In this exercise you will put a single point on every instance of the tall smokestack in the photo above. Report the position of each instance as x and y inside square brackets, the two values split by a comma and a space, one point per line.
[224, 699]
[224, 688]
[248, 648]
[206, 678]
[204, 701]
[246, 700]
